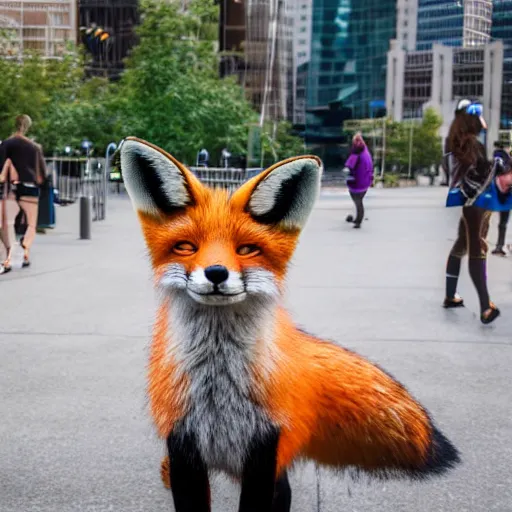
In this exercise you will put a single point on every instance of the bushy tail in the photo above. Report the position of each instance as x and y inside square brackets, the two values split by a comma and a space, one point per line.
[368, 421]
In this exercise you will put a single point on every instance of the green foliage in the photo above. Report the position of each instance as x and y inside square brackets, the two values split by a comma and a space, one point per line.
[278, 143]
[391, 180]
[64, 107]
[170, 92]
[426, 142]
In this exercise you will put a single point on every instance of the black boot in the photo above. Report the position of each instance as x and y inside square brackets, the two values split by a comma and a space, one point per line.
[452, 300]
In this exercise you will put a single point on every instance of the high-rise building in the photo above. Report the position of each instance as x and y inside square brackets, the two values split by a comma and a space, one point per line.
[301, 56]
[232, 39]
[406, 23]
[45, 26]
[464, 23]
[116, 18]
[347, 69]
[477, 22]
[502, 29]
[349, 44]
[256, 44]
[440, 77]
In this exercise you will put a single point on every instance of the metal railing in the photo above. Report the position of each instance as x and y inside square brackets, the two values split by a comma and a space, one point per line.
[228, 178]
[78, 177]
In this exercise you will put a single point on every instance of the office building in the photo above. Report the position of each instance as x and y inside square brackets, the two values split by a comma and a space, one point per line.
[256, 45]
[347, 69]
[502, 30]
[440, 77]
[301, 56]
[232, 39]
[43, 26]
[406, 23]
[349, 44]
[465, 23]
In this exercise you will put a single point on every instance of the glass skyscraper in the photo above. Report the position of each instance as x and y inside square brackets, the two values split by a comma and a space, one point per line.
[349, 44]
[464, 23]
[502, 29]
[439, 22]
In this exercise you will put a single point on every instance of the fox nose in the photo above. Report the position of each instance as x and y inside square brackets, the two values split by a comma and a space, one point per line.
[216, 273]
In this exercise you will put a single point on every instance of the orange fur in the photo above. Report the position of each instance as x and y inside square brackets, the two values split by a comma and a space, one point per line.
[167, 388]
[336, 408]
[339, 409]
[331, 405]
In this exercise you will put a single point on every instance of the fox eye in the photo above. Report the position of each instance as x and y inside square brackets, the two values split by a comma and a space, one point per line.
[184, 248]
[248, 250]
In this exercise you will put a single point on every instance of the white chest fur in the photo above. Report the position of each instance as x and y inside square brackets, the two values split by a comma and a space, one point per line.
[216, 347]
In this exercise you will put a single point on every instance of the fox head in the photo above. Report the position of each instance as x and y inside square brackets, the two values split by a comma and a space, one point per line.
[213, 248]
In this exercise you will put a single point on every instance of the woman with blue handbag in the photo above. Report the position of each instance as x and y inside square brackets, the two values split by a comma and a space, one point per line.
[475, 187]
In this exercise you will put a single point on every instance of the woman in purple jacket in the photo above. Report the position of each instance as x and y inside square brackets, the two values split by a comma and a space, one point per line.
[359, 167]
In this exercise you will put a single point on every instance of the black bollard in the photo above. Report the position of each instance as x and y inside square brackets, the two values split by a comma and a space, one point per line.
[85, 218]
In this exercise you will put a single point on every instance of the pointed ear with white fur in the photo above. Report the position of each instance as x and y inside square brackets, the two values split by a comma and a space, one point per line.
[156, 182]
[284, 194]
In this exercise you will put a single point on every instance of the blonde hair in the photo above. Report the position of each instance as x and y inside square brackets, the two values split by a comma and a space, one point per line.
[23, 123]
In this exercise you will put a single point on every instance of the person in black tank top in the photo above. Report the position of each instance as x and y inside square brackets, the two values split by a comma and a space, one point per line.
[23, 170]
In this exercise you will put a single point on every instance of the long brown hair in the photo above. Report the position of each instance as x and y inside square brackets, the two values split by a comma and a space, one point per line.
[462, 139]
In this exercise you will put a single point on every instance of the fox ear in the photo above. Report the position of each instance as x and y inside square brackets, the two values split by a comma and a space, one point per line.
[156, 182]
[284, 194]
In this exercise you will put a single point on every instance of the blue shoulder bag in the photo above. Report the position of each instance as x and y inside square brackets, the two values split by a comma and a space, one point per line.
[488, 198]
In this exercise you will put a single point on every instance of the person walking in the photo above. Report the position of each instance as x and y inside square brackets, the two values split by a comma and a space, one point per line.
[501, 153]
[471, 172]
[23, 172]
[359, 167]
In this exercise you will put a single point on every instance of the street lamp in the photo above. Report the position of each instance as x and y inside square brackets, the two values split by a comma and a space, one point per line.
[86, 146]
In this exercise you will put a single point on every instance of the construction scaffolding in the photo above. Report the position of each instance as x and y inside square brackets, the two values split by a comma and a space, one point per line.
[42, 26]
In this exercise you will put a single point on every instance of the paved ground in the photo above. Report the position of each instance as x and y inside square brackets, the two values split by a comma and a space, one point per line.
[74, 434]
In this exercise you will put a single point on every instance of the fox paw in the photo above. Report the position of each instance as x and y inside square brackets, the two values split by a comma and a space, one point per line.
[165, 472]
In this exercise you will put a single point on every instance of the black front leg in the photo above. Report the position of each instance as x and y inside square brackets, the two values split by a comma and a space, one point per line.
[259, 474]
[283, 495]
[189, 476]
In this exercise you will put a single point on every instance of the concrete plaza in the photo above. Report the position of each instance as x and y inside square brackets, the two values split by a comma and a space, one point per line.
[74, 429]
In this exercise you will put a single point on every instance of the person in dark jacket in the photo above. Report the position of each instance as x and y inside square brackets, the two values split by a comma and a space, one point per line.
[501, 154]
[469, 170]
[359, 167]
[23, 170]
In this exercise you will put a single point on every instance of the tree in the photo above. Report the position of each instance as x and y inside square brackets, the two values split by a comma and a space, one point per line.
[427, 145]
[426, 142]
[64, 107]
[170, 92]
[278, 143]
